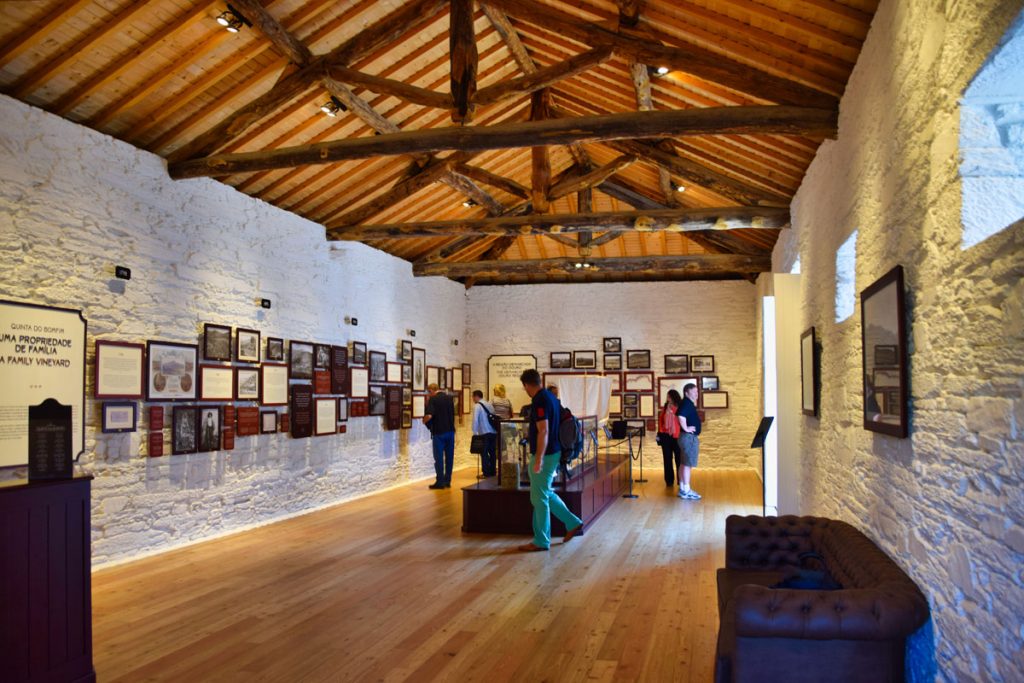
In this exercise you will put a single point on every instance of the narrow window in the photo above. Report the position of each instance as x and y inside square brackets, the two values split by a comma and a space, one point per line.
[846, 266]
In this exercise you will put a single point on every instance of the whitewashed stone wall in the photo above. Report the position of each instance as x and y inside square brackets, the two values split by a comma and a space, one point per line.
[716, 318]
[947, 502]
[73, 203]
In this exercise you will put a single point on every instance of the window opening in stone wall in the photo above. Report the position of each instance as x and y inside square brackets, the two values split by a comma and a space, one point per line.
[846, 266]
[795, 268]
[992, 141]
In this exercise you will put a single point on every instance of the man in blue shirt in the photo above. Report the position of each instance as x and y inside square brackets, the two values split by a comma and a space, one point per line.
[546, 453]
[482, 427]
[689, 421]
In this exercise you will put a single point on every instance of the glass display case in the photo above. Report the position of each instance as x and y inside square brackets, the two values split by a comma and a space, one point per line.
[513, 453]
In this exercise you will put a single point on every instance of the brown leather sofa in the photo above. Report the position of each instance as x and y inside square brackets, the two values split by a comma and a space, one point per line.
[768, 634]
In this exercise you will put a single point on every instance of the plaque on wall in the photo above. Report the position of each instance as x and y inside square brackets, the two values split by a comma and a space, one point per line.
[467, 371]
[119, 416]
[432, 376]
[119, 369]
[268, 421]
[339, 370]
[229, 417]
[321, 381]
[274, 384]
[505, 369]
[43, 351]
[171, 371]
[393, 414]
[49, 441]
[321, 356]
[419, 403]
[283, 423]
[216, 383]
[359, 380]
[156, 444]
[156, 417]
[248, 421]
[227, 437]
[394, 372]
[326, 416]
[301, 411]
[342, 409]
[358, 408]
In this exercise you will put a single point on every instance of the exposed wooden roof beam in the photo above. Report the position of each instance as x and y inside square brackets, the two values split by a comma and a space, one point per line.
[692, 264]
[284, 42]
[388, 86]
[543, 78]
[510, 36]
[617, 189]
[462, 48]
[462, 184]
[540, 169]
[591, 178]
[494, 180]
[629, 12]
[691, 58]
[708, 121]
[645, 102]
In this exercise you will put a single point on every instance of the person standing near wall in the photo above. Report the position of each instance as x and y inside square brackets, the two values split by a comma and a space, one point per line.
[439, 416]
[668, 437]
[545, 412]
[482, 427]
[502, 406]
[689, 445]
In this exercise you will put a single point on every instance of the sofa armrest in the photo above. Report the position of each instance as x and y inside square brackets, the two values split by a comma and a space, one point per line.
[854, 614]
[771, 543]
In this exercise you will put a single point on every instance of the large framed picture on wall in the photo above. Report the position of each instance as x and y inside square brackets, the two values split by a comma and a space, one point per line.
[171, 371]
[119, 369]
[809, 381]
[884, 337]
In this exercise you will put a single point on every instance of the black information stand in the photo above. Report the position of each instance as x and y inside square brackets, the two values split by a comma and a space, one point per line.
[49, 441]
[758, 442]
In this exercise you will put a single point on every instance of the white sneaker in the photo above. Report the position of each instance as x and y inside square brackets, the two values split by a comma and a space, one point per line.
[689, 495]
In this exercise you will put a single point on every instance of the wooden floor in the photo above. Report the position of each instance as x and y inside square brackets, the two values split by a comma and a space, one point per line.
[386, 588]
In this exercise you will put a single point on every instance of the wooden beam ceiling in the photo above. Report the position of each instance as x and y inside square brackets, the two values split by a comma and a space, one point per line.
[650, 266]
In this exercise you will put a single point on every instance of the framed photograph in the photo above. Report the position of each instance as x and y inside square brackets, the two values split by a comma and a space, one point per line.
[677, 364]
[467, 370]
[171, 371]
[216, 342]
[613, 344]
[274, 384]
[359, 379]
[467, 400]
[406, 354]
[247, 384]
[638, 359]
[378, 400]
[630, 399]
[456, 382]
[709, 383]
[268, 421]
[378, 366]
[300, 360]
[432, 376]
[119, 416]
[419, 405]
[702, 363]
[406, 419]
[647, 407]
[449, 379]
[714, 399]
[394, 372]
[216, 383]
[342, 410]
[407, 395]
[561, 360]
[183, 430]
[616, 380]
[584, 360]
[884, 337]
[630, 412]
[275, 350]
[209, 428]
[358, 355]
[615, 404]
[613, 361]
[665, 384]
[247, 346]
[638, 381]
[809, 380]
[322, 356]
[119, 369]
[406, 373]
[419, 369]
[325, 416]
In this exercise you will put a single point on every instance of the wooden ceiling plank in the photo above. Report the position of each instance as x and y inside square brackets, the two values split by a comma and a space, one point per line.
[388, 86]
[840, 9]
[797, 23]
[510, 36]
[545, 77]
[286, 44]
[39, 28]
[590, 179]
[464, 59]
[694, 264]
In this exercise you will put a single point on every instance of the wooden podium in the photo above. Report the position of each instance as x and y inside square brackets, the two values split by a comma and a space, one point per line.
[45, 587]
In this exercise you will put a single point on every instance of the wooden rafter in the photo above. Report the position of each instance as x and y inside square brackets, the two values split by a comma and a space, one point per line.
[511, 38]
[590, 179]
[284, 42]
[649, 266]
[645, 102]
[494, 180]
[543, 78]
[388, 86]
[540, 168]
[629, 12]
[462, 48]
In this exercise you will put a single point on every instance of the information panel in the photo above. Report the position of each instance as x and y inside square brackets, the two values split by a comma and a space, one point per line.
[505, 369]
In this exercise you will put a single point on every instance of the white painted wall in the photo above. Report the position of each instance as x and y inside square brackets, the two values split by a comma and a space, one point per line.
[789, 416]
[73, 203]
[948, 502]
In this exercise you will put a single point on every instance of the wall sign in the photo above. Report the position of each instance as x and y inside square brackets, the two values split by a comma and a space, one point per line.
[505, 369]
[42, 355]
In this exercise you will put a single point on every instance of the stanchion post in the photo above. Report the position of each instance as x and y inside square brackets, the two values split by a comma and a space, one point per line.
[629, 438]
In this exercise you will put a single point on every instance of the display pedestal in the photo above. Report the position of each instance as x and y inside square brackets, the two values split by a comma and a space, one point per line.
[45, 594]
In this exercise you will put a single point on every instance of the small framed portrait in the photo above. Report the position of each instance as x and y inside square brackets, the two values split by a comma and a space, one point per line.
[442, 378]
[467, 369]
[630, 412]
[216, 342]
[216, 383]
[677, 364]
[300, 360]
[209, 428]
[613, 361]
[171, 371]
[120, 368]
[630, 399]
[407, 395]
[358, 355]
[247, 384]
[407, 373]
[702, 363]
[449, 379]
[714, 399]
[378, 401]
[561, 360]
[119, 416]
[247, 346]
[709, 383]
[419, 369]
[184, 438]
[584, 360]
[406, 354]
[268, 421]
[378, 366]
[638, 359]
[275, 350]
[322, 356]
[613, 344]
[406, 419]
[394, 372]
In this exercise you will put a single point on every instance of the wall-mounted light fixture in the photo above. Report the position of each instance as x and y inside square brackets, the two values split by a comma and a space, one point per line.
[661, 70]
[232, 20]
[333, 106]
[469, 203]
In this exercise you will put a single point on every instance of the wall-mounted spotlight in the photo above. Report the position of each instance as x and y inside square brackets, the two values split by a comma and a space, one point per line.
[584, 264]
[232, 20]
[661, 70]
[680, 188]
[333, 106]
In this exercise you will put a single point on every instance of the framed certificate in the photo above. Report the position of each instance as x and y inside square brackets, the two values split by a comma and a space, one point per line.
[325, 416]
[216, 383]
[171, 371]
[120, 416]
[119, 369]
[360, 382]
[274, 381]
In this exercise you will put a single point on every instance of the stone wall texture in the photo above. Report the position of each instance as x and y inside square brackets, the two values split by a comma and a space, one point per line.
[75, 203]
[703, 318]
[948, 502]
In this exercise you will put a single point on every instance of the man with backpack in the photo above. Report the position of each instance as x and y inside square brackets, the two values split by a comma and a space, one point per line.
[486, 425]
[546, 453]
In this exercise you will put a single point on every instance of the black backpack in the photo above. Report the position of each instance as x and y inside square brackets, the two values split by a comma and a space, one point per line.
[570, 436]
[492, 419]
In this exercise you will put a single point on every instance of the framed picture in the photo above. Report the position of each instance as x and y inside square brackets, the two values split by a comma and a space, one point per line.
[809, 380]
[342, 410]
[638, 381]
[630, 399]
[209, 429]
[613, 344]
[432, 376]
[456, 382]
[647, 407]
[406, 373]
[325, 416]
[300, 360]
[274, 384]
[394, 372]
[247, 384]
[322, 356]
[359, 379]
[275, 350]
[677, 364]
[615, 404]
[407, 395]
[358, 356]
[419, 369]
[638, 359]
[561, 360]
[584, 360]
[406, 419]
[467, 400]
[119, 416]
[216, 342]
[216, 383]
[630, 412]
[378, 366]
[613, 361]
[247, 346]
[884, 337]
[378, 401]
[119, 369]
[616, 380]
[449, 379]
[406, 354]
[709, 383]
[268, 421]
[467, 370]
[183, 430]
[419, 405]
[714, 399]
[171, 371]
[665, 384]
[702, 363]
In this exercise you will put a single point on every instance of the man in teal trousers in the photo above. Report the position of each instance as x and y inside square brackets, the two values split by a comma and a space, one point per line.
[545, 413]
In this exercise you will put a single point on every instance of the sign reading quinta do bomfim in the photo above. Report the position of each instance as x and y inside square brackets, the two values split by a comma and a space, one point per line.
[42, 388]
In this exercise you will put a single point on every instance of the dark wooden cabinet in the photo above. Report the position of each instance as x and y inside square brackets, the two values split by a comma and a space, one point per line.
[45, 587]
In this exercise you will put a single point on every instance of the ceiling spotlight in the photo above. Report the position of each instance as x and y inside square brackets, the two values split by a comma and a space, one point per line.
[469, 203]
[333, 106]
[680, 188]
[579, 265]
[232, 20]
[661, 70]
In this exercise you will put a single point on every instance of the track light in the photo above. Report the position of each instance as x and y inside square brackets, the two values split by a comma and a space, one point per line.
[661, 70]
[469, 203]
[232, 20]
[333, 106]
[680, 188]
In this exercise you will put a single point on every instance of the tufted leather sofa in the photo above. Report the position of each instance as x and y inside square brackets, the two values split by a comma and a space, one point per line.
[768, 634]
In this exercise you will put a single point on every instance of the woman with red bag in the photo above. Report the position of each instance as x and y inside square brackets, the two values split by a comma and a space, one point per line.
[668, 436]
